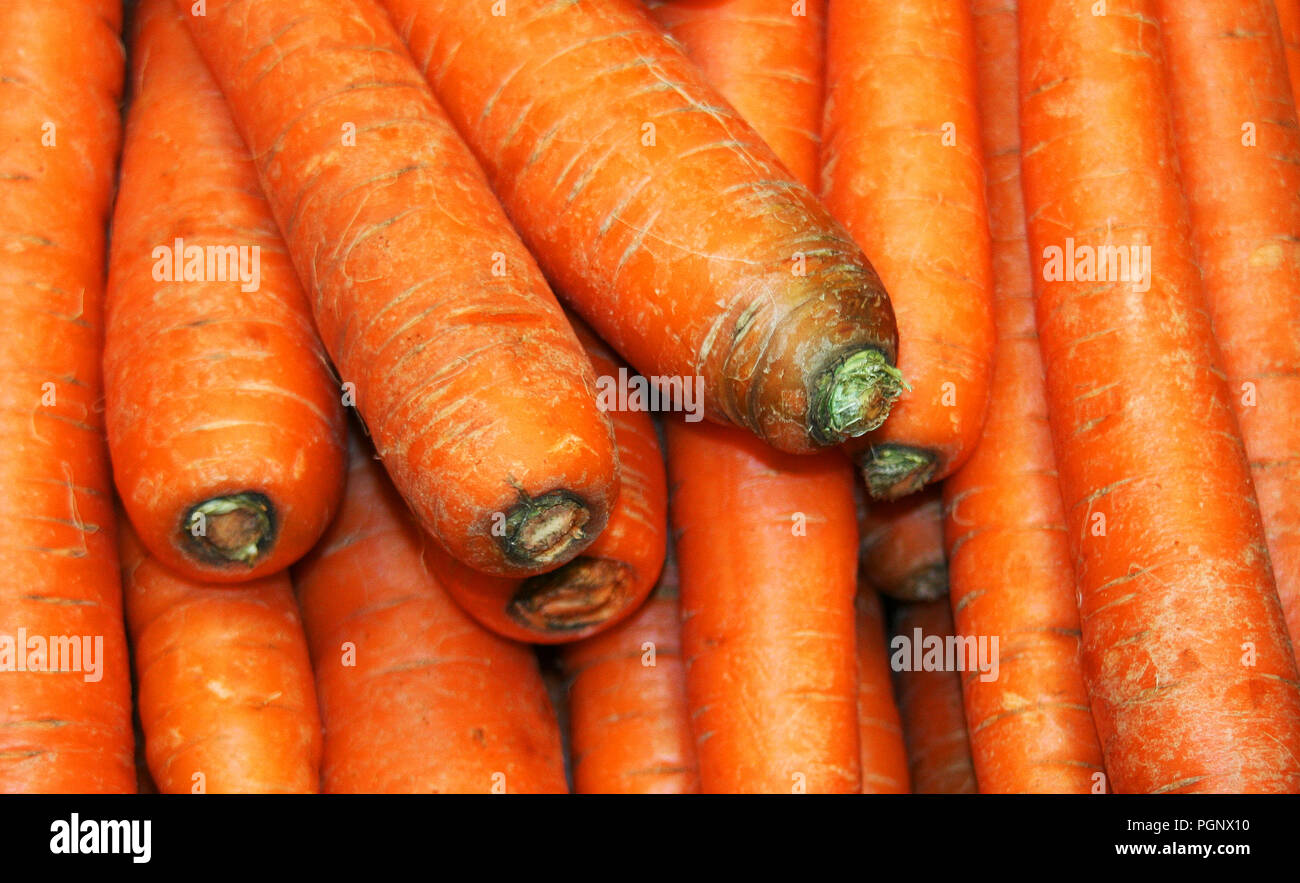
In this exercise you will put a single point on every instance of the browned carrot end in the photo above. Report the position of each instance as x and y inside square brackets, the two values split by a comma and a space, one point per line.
[929, 583]
[893, 471]
[583, 593]
[234, 529]
[853, 396]
[547, 529]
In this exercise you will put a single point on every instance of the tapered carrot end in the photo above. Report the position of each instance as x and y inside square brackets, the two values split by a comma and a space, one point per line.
[583, 593]
[853, 396]
[893, 471]
[546, 530]
[234, 529]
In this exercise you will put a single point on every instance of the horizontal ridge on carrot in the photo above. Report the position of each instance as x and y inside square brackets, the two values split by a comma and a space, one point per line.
[479, 398]
[661, 215]
[224, 421]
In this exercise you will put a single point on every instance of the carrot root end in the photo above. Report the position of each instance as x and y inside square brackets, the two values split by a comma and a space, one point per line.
[894, 471]
[582, 593]
[546, 529]
[853, 396]
[233, 529]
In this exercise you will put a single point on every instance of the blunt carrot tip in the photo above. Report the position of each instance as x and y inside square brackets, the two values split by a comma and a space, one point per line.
[585, 592]
[234, 529]
[546, 529]
[893, 471]
[854, 396]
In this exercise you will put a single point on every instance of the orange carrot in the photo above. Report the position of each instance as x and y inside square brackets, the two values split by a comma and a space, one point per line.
[765, 57]
[902, 546]
[930, 704]
[662, 216]
[1185, 649]
[224, 423]
[767, 548]
[225, 688]
[627, 699]
[415, 696]
[1288, 14]
[65, 691]
[1226, 65]
[471, 382]
[880, 732]
[902, 169]
[609, 580]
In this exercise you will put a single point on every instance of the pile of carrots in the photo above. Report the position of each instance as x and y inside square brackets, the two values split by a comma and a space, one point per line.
[314, 480]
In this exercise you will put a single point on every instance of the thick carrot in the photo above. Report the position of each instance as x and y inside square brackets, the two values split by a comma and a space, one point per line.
[767, 549]
[415, 696]
[1009, 567]
[930, 705]
[662, 216]
[224, 682]
[615, 574]
[901, 545]
[1288, 15]
[766, 58]
[1235, 121]
[224, 422]
[880, 732]
[1185, 650]
[67, 729]
[627, 703]
[902, 169]
[478, 396]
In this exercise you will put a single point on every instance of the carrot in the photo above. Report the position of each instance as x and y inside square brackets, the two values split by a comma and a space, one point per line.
[902, 169]
[615, 574]
[930, 705]
[1288, 15]
[1185, 650]
[65, 716]
[902, 546]
[661, 215]
[766, 58]
[225, 688]
[1009, 566]
[767, 548]
[1226, 64]
[224, 423]
[627, 699]
[880, 732]
[478, 396]
[415, 696]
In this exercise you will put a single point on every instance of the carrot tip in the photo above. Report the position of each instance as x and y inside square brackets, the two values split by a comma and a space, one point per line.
[853, 396]
[546, 529]
[582, 593]
[928, 583]
[893, 471]
[234, 529]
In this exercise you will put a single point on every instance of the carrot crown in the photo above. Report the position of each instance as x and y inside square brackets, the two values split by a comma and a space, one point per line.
[853, 396]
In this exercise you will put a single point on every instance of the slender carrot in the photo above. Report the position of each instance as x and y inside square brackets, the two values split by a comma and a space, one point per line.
[415, 696]
[1185, 650]
[66, 729]
[1009, 567]
[627, 699]
[902, 546]
[930, 704]
[662, 216]
[767, 548]
[471, 382]
[1235, 121]
[224, 422]
[615, 574]
[902, 169]
[766, 58]
[1288, 15]
[880, 732]
[224, 683]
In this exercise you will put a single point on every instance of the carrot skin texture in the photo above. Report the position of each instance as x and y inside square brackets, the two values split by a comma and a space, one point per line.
[415, 696]
[901, 546]
[61, 69]
[1226, 63]
[903, 171]
[1173, 577]
[1009, 566]
[753, 287]
[1288, 16]
[422, 292]
[211, 391]
[767, 548]
[226, 695]
[930, 705]
[884, 757]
